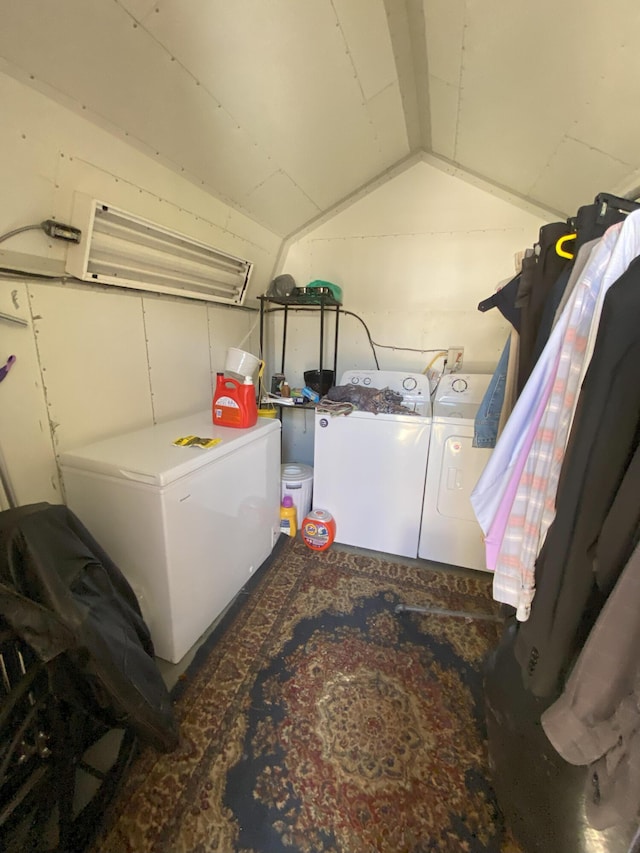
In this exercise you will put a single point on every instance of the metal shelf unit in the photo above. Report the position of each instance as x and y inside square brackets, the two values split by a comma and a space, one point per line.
[323, 304]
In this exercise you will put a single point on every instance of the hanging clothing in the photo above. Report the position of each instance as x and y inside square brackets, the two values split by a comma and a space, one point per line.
[507, 584]
[510, 385]
[590, 223]
[554, 383]
[487, 419]
[581, 260]
[604, 439]
[504, 299]
[494, 494]
[548, 313]
[498, 401]
[563, 482]
[593, 220]
[488, 496]
[620, 532]
[533, 505]
[536, 282]
[595, 721]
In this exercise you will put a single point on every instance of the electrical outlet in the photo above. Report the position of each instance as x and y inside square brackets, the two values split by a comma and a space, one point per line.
[454, 359]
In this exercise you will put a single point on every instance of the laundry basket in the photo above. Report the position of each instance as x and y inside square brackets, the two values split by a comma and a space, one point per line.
[297, 481]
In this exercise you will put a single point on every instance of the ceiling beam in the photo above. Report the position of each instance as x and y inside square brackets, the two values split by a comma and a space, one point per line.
[408, 39]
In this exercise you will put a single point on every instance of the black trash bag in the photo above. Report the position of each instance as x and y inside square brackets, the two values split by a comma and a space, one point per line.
[63, 595]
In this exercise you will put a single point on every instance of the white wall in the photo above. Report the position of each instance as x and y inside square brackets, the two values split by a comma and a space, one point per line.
[95, 361]
[414, 256]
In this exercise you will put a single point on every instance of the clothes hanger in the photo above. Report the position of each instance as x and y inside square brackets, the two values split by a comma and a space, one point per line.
[560, 250]
[607, 200]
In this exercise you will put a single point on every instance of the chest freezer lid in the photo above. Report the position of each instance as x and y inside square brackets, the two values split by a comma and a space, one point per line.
[149, 456]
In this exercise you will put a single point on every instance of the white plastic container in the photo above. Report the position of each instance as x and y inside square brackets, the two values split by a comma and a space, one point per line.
[297, 481]
[241, 363]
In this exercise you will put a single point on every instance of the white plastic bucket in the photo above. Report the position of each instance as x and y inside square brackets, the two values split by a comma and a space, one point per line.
[297, 481]
[241, 362]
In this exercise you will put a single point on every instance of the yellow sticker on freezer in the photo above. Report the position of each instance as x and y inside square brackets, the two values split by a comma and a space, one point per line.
[196, 441]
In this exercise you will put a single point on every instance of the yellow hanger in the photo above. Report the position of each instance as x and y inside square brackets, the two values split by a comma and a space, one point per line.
[560, 243]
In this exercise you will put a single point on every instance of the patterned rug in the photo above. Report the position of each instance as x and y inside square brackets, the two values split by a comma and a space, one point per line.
[316, 719]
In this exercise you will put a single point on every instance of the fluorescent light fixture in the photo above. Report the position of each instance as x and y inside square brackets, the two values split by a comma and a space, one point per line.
[122, 249]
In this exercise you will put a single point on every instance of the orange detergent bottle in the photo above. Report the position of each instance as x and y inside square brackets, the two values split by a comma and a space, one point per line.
[234, 403]
[318, 530]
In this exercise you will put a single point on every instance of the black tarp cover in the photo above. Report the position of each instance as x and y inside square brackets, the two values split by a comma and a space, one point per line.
[63, 595]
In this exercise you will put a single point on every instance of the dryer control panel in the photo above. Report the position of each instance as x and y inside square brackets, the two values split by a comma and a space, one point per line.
[459, 394]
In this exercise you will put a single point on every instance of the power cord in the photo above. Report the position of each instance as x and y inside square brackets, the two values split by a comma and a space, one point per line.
[15, 231]
[373, 344]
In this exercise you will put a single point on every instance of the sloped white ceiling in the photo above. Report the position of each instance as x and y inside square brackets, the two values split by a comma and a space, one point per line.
[284, 108]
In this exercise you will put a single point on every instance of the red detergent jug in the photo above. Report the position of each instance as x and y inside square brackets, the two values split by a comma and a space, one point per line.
[234, 403]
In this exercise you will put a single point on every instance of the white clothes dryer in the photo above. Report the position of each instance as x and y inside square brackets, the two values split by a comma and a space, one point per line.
[449, 531]
[369, 470]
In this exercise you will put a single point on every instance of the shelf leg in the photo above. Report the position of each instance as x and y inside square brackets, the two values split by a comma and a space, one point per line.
[284, 338]
[321, 336]
[335, 347]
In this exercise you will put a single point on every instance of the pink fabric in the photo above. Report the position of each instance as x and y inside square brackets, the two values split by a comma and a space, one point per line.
[493, 539]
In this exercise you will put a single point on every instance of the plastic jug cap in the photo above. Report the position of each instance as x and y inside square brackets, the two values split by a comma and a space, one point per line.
[287, 500]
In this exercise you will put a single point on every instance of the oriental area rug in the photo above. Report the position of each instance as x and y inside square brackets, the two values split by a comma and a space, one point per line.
[318, 719]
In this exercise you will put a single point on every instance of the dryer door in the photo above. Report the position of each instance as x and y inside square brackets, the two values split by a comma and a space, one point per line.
[462, 465]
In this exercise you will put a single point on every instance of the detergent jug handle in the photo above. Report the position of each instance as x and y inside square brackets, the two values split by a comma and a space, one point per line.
[223, 381]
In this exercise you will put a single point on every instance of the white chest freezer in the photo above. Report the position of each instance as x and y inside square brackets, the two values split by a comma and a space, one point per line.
[186, 526]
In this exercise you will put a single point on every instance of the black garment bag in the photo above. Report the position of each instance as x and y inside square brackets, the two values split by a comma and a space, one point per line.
[63, 595]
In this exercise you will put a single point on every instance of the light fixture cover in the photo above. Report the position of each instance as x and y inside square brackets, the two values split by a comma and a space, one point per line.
[122, 249]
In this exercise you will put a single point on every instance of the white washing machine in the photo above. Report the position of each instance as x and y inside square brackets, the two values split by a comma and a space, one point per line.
[369, 470]
[450, 532]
